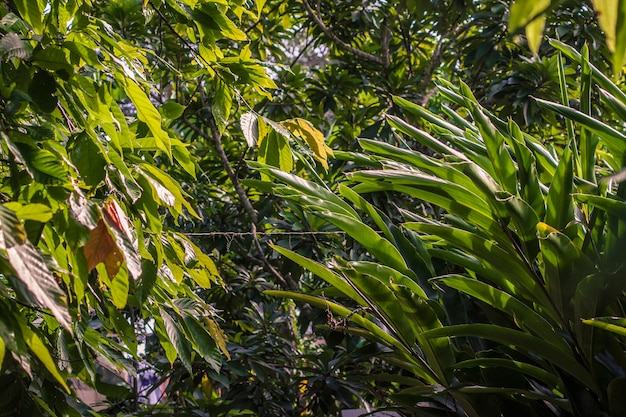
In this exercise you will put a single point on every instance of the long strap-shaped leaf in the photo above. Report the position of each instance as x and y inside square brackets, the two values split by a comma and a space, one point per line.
[525, 343]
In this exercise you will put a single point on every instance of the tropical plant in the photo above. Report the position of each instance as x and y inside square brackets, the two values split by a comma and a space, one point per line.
[495, 291]
[93, 268]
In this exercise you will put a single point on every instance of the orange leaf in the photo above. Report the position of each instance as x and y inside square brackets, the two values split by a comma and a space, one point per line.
[99, 245]
[113, 262]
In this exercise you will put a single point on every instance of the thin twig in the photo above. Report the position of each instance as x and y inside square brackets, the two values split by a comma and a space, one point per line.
[341, 44]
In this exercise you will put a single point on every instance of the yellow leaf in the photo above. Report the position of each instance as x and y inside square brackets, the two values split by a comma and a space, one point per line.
[534, 33]
[218, 335]
[312, 136]
[606, 10]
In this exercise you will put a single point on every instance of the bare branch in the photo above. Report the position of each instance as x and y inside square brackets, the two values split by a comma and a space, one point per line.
[341, 44]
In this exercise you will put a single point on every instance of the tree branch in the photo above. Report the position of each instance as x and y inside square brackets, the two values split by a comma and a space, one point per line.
[341, 44]
[216, 139]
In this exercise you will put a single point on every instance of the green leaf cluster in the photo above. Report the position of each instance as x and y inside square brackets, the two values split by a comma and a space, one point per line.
[502, 283]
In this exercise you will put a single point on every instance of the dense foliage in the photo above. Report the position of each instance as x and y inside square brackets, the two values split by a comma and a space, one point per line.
[125, 130]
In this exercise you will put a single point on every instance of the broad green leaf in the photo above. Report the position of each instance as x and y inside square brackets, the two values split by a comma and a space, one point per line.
[387, 276]
[597, 294]
[32, 12]
[525, 11]
[172, 110]
[147, 113]
[305, 187]
[33, 272]
[177, 338]
[53, 59]
[218, 335]
[583, 60]
[534, 33]
[526, 344]
[424, 138]
[607, 13]
[374, 332]
[40, 350]
[425, 114]
[379, 247]
[203, 343]
[614, 140]
[222, 104]
[34, 211]
[167, 188]
[501, 160]
[274, 150]
[527, 176]
[612, 206]
[619, 55]
[409, 316]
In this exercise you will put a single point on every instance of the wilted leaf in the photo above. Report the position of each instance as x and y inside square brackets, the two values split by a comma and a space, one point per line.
[99, 246]
[120, 227]
[11, 46]
[249, 127]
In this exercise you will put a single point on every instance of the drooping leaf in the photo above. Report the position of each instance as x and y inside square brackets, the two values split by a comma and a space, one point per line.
[147, 113]
[99, 246]
[312, 136]
[40, 350]
[248, 122]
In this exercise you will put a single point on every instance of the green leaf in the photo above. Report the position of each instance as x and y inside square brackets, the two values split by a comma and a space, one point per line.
[34, 211]
[559, 208]
[33, 272]
[304, 187]
[615, 325]
[147, 113]
[172, 110]
[168, 189]
[524, 316]
[536, 372]
[40, 350]
[534, 33]
[525, 343]
[525, 11]
[52, 58]
[612, 206]
[203, 343]
[32, 12]
[614, 140]
[323, 272]
[222, 104]
[513, 275]
[177, 338]
[312, 136]
[379, 247]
